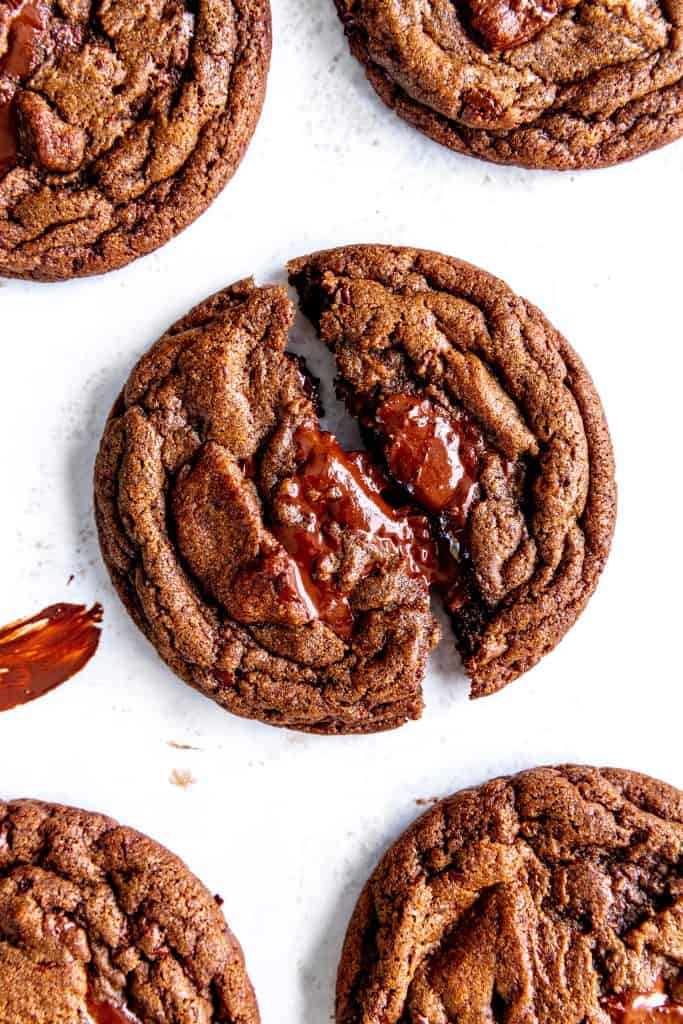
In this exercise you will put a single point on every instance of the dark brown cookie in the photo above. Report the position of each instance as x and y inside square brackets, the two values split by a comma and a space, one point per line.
[119, 123]
[260, 559]
[485, 419]
[539, 83]
[99, 923]
[550, 897]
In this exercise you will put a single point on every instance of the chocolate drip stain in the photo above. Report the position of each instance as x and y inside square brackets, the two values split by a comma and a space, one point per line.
[40, 653]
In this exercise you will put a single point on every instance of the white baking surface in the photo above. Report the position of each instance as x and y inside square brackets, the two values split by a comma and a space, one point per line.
[287, 826]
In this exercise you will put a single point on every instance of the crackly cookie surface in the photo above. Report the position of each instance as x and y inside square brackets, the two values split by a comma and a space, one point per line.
[261, 560]
[100, 924]
[120, 122]
[550, 897]
[540, 83]
[486, 419]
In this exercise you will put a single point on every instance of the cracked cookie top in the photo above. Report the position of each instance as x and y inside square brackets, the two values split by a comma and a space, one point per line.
[550, 897]
[98, 923]
[120, 122]
[486, 420]
[271, 569]
[540, 83]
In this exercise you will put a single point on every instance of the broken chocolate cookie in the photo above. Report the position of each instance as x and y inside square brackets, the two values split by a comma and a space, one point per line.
[260, 558]
[289, 579]
[487, 421]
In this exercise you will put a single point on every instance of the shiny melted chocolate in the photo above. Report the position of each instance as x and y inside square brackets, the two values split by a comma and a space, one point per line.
[433, 454]
[332, 488]
[435, 457]
[40, 653]
[656, 1007]
[27, 20]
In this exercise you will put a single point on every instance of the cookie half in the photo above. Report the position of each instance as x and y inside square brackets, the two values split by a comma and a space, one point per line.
[120, 122]
[99, 923]
[261, 560]
[549, 897]
[558, 84]
[485, 419]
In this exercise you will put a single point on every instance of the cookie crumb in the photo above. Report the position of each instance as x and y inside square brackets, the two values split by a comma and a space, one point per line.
[423, 801]
[181, 778]
[181, 746]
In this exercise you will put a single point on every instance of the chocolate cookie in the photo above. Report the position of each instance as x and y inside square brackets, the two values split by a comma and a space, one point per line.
[120, 122]
[539, 83]
[486, 420]
[261, 560]
[99, 923]
[550, 897]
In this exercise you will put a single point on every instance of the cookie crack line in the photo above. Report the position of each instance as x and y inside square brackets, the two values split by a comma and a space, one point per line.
[288, 579]
[560, 85]
[111, 145]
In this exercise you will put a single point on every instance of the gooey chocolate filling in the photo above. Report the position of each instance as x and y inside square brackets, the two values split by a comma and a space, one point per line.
[432, 457]
[333, 489]
[432, 454]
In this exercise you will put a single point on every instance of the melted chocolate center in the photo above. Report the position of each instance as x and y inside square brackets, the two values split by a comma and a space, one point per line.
[655, 1007]
[431, 454]
[27, 20]
[40, 653]
[435, 456]
[333, 489]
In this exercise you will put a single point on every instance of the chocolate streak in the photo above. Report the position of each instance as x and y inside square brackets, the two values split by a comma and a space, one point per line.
[40, 653]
